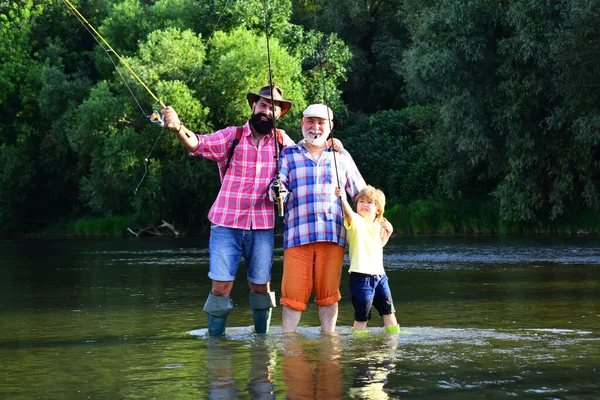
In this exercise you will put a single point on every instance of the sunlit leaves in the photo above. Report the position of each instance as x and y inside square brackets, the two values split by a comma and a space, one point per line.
[238, 64]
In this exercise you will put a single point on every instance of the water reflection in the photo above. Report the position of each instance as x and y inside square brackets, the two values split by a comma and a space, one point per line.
[487, 317]
[219, 360]
[262, 364]
[375, 361]
[311, 368]
[230, 363]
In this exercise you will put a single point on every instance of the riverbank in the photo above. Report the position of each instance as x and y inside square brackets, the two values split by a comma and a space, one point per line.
[445, 217]
[422, 217]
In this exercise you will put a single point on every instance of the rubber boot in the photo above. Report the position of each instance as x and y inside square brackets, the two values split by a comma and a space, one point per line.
[217, 308]
[392, 329]
[261, 305]
[360, 332]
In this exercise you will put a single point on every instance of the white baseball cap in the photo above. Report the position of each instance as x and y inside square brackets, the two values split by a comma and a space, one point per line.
[319, 111]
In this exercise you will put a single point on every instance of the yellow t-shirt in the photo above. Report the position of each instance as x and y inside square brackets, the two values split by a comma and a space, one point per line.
[364, 243]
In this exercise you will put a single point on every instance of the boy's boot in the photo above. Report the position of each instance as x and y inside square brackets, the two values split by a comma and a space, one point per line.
[217, 308]
[261, 305]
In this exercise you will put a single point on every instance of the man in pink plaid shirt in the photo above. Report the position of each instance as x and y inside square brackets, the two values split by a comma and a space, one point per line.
[242, 216]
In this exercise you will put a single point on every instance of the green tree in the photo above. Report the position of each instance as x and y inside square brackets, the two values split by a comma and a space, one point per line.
[552, 163]
[377, 38]
[513, 82]
[32, 157]
[576, 61]
[122, 147]
[237, 64]
[390, 150]
[19, 71]
[452, 63]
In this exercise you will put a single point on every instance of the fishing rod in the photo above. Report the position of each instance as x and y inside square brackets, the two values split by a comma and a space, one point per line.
[329, 117]
[155, 116]
[277, 180]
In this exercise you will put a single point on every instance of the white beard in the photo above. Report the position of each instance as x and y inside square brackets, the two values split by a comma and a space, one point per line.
[314, 137]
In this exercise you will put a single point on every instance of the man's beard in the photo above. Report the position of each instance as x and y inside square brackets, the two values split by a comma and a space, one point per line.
[314, 137]
[260, 126]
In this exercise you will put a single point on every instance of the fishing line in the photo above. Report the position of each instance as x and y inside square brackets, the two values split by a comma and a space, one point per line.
[82, 19]
[277, 183]
[107, 51]
[321, 57]
[208, 40]
[155, 117]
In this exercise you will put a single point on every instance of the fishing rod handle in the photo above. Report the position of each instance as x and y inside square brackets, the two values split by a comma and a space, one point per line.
[280, 206]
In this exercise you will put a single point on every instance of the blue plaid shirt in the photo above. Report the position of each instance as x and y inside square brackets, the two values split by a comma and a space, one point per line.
[312, 212]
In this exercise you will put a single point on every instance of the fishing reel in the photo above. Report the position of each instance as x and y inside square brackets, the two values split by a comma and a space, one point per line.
[280, 194]
[157, 118]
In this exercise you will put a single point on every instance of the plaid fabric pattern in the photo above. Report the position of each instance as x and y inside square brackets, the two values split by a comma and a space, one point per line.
[243, 201]
[312, 212]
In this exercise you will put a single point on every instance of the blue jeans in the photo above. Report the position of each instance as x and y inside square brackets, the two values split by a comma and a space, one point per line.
[370, 291]
[227, 245]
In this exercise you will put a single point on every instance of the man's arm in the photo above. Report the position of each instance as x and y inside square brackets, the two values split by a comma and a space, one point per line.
[185, 136]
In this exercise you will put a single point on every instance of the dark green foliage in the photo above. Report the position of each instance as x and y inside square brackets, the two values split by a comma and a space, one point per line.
[390, 150]
[94, 226]
[498, 73]
[377, 39]
[445, 216]
[471, 116]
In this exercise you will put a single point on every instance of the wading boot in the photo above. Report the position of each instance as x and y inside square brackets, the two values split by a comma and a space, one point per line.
[217, 308]
[261, 305]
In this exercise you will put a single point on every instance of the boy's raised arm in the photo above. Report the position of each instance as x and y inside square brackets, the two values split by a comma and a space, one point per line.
[348, 212]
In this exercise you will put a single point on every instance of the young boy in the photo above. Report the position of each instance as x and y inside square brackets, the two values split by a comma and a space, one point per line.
[368, 232]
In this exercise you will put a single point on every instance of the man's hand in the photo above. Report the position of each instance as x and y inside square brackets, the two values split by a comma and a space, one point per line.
[278, 190]
[171, 118]
[336, 144]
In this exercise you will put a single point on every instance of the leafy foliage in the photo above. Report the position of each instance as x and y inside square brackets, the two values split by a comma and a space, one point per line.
[391, 153]
[237, 65]
[443, 104]
[492, 67]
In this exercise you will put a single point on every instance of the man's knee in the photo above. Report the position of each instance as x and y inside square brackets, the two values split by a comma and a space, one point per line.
[222, 288]
[259, 288]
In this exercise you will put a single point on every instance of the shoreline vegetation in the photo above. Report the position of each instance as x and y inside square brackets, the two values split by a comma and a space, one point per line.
[422, 217]
[471, 117]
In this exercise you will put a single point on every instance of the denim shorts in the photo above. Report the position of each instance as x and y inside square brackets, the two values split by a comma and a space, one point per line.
[370, 291]
[227, 245]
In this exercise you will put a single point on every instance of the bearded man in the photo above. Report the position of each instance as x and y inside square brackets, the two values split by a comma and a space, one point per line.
[314, 234]
[242, 216]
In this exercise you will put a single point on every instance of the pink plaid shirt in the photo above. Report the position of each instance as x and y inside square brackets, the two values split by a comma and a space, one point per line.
[243, 201]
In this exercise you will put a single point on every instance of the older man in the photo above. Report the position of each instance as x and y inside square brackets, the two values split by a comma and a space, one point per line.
[314, 233]
[242, 216]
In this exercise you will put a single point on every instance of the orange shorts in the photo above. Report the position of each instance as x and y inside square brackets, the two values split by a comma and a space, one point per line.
[314, 267]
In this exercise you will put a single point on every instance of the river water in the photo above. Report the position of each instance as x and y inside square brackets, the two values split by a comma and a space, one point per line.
[481, 317]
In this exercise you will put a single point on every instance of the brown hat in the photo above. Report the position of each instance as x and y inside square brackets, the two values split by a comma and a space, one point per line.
[265, 92]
